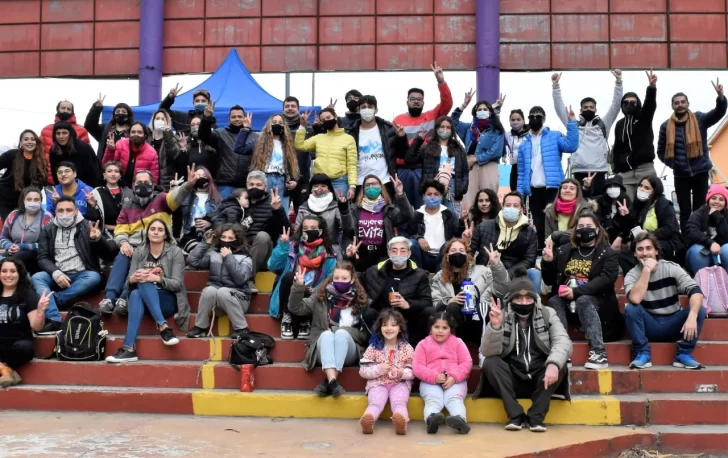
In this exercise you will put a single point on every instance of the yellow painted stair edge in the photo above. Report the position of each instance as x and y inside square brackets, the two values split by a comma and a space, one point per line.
[264, 282]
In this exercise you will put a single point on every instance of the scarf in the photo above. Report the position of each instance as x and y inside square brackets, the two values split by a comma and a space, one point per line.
[565, 207]
[508, 235]
[478, 126]
[693, 138]
[293, 121]
[338, 303]
[373, 206]
[319, 204]
[311, 255]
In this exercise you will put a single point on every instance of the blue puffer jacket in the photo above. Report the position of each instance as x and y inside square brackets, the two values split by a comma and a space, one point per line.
[282, 260]
[553, 144]
[491, 144]
[680, 165]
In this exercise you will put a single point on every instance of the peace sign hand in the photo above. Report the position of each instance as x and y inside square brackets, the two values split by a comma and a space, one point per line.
[340, 196]
[468, 233]
[468, 97]
[622, 207]
[110, 143]
[500, 100]
[44, 300]
[299, 277]
[438, 73]
[652, 78]
[210, 109]
[332, 103]
[422, 133]
[286, 235]
[175, 90]
[398, 185]
[398, 129]
[555, 78]
[718, 87]
[94, 231]
[55, 196]
[588, 179]
[352, 251]
[494, 256]
[275, 199]
[304, 118]
[90, 198]
[100, 101]
[182, 142]
[248, 120]
[192, 176]
[496, 314]
[570, 114]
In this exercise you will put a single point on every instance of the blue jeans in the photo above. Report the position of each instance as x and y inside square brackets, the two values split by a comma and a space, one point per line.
[160, 304]
[341, 184]
[278, 182]
[81, 283]
[336, 350]
[645, 327]
[411, 179]
[424, 260]
[226, 191]
[535, 276]
[116, 286]
[695, 260]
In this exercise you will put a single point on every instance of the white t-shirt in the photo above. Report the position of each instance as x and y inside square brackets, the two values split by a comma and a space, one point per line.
[275, 164]
[538, 175]
[371, 156]
[444, 158]
[434, 229]
[199, 210]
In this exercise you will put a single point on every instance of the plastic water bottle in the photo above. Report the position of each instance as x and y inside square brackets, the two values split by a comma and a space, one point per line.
[716, 260]
[572, 284]
[471, 294]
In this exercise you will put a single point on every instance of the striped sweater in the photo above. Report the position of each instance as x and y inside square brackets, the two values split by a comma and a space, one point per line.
[666, 283]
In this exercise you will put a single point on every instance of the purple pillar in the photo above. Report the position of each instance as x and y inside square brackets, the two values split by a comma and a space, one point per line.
[487, 49]
[151, 35]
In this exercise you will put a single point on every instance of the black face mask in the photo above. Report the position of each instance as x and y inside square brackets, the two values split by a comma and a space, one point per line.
[352, 105]
[143, 190]
[588, 115]
[310, 236]
[457, 260]
[64, 116]
[121, 119]
[229, 245]
[535, 124]
[256, 194]
[630, 109]
[234, 129]
[329, 124]
[277, 129]
[586, 234]
[202, 183]
[415, 111]
[318, 129]
[522, 309]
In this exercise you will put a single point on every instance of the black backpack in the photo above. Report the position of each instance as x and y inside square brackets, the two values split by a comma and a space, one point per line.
[82, 336]
[252, 348]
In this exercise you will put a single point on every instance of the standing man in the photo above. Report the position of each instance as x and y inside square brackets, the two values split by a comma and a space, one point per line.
[181, 119]
[64, 112]
[683, 146]
[589, 164]
[292, 115]
[352, 106]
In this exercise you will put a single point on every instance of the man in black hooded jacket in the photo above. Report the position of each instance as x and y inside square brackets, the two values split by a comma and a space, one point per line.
[181, 119]
[634, 140]
[67, 147]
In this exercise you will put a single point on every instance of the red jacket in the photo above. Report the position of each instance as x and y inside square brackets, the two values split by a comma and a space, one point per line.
[46, 136]
[147, 159]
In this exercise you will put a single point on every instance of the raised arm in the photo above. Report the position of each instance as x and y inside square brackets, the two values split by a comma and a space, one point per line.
[558, 100]
[616, 105]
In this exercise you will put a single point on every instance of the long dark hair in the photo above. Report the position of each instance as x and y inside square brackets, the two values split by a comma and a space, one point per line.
[494, 119]
[168, 234]
[602, 236]
[25, 192]
[360, 294]
[38, 167]
[212, 192]
[658, 190]
[23, 282]
[377, 339]
[453, 146]
[478, 216]
[327, 243]
[240, 238]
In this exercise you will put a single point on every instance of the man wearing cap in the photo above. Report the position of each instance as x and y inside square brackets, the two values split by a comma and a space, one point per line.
[181, 119]
[526, 351]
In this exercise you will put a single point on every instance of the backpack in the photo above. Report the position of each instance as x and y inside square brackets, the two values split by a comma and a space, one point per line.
[252, 348]
[713, 281]
[82, 336]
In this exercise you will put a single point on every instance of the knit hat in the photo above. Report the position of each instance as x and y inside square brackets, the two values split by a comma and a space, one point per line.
[321, 178]
[718, 189]
[614, 180]
[521, 285]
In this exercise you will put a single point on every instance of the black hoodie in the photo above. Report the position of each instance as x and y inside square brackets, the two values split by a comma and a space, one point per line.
[634, 139]
[80, 153]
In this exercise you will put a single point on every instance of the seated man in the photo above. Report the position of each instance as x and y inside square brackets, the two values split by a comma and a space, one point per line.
[69, 185]
[526, 350]
[653, 312]
[146, 205]
[398, 283]
[510, 234]
[68, 251]
[434, 224]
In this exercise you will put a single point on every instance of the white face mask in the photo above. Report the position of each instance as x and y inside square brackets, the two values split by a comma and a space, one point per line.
[159, 124]
[483, 114]
[613, 192]
[367, 114]
[643, 195]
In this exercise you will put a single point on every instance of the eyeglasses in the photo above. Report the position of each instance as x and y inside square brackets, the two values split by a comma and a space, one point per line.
[416, 99]
[64, 171]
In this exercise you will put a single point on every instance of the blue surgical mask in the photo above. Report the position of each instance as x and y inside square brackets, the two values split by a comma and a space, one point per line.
[433, 202]
[511, 214]
[444, 134]
[200, 107]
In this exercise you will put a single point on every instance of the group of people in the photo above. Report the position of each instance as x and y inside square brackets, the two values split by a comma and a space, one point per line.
[353, 214]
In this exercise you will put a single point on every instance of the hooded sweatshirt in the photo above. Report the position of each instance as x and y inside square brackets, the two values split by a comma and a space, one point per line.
[80, 153]
[79, 196]
[65, 253]
[508, 235]
[634, 138]
[47, 135]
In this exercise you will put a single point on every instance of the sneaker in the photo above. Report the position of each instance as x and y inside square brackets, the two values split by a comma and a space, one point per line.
[304, 330]
[168, 337]
[400, 424]
[123, 355]
[536, 426]
[51, 328]
[642, 361]
[286, 327]
[434, 422]
[686, 361]
[367, 423]
[324, 389]
[196, 333]
[122, 307]
[106, 307]
[516, 424]
[253, 289]
[597, 360]
[238, 333]
[336, 389]
[458, 423]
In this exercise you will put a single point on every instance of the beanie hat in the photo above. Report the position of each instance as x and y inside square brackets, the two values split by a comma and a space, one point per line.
[321, 178]
[521, 285]
[717, 189]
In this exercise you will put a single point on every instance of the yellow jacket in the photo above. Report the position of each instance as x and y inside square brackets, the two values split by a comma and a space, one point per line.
[336, 153]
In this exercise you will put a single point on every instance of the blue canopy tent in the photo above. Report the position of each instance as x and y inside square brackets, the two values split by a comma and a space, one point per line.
[230, 85]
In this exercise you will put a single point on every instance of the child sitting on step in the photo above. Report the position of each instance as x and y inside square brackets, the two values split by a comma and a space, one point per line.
[443, 363]
[387, 366]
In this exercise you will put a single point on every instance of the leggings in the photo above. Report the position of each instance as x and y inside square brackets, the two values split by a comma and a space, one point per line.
[398, 394]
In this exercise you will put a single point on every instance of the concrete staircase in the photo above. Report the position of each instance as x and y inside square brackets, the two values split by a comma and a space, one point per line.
[176, 380]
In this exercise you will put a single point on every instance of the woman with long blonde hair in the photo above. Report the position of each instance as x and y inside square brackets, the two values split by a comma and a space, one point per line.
[275, 154]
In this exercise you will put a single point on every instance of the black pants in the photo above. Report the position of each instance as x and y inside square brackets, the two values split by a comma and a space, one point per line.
[177, 220]
[284, 292]
[468, 329]
[597, 184]
[29, 259]
[417, 322]
[509, 388]
[17, 353]
[697, 185]
[514, 177]
[540, 198]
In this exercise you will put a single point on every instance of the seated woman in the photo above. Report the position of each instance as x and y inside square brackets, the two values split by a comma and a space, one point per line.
[593, 264]
[157, 285]
[376, 217]
[311, 249]
[323, 202]
[21, 313]
[195, 208]
[22, 229]
[486, 207]
[225, 254]
[447, 287]
[706, 232]
[25, 166]
[111, 197]
[607, 210]
[338, 333]
[561, 216]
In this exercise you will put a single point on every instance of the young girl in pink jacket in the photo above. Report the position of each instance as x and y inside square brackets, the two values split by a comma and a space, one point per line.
[387, 366]
[443, 363]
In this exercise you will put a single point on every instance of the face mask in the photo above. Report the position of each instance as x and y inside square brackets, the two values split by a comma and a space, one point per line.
[329, 124]
[66, 220]
[32, 207]
[433, 202]
[121, 119]
[352, 105]
[228, 245]
[399, 260]
[200, 107]
[613, 191]
[643, 195]
[588, 115]
[482, 114]
[202, 183]
[194, 131]
[511, 214]
[444, 134]
[277, 129]
[341, 286]
[535, 124]
[457, 260]
[586, 234]
[322, 194]
[522, 310]
[159, 124]
[629, 109]
[137, 140]
[255, 194]
[367, 114]
[372, 192]
[143, 190]
[414, 111]
[64, 116]
[517, 125]
[311, 236]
